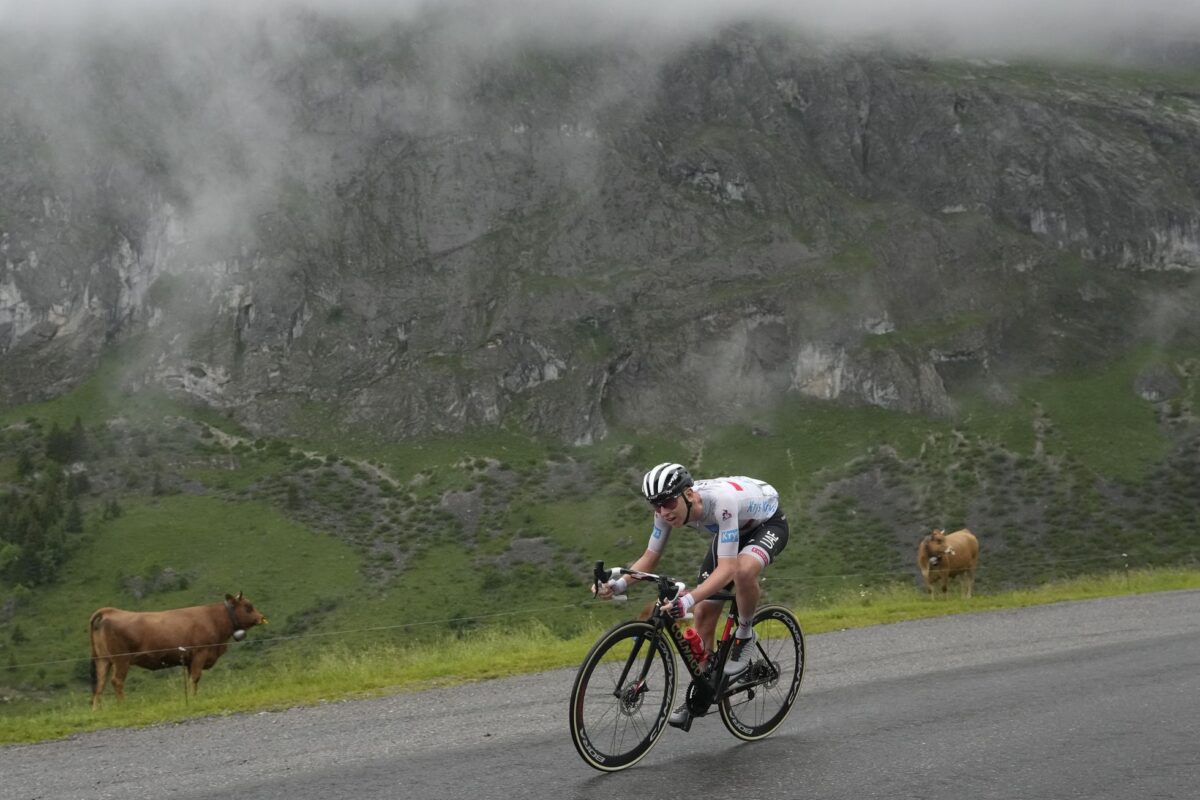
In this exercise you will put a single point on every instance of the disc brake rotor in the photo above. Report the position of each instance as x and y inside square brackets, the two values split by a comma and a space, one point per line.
[631, 698]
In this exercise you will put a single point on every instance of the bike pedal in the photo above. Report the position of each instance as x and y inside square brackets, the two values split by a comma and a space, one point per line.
[684, 726]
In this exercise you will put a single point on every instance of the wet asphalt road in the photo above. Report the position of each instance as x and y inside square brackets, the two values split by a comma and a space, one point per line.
[1097, 700]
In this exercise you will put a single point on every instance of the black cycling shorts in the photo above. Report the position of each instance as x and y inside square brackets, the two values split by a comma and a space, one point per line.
[766, 539]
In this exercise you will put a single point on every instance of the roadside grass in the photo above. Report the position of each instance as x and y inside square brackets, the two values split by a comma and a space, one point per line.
[216, 547]
[335, 671]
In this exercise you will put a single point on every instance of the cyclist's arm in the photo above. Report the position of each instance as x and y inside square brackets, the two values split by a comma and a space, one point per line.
[717, 580]
[659, 533]
[646, 563]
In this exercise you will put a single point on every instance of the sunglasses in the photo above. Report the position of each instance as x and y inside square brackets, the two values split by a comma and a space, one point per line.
[666, 505]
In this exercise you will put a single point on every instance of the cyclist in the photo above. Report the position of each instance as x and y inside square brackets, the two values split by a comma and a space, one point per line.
[748, 533]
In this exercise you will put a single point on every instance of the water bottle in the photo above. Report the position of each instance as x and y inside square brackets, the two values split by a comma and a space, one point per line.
[694, 642]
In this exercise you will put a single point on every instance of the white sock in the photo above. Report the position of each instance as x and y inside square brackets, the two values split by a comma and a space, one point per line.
[744, 628]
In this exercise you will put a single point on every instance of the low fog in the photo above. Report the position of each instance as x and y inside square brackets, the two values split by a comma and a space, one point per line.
[202, 86]
[246, 119]
[1084, 28]
[214, 101]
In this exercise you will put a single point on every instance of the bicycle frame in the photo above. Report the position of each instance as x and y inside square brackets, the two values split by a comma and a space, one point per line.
[708, 677]
[623, 692]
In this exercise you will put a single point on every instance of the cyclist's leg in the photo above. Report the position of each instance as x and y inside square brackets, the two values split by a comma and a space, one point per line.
[745, 580]
[759, 547]
[707, 612]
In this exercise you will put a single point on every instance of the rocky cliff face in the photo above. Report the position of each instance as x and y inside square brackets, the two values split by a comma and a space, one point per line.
[376, 228]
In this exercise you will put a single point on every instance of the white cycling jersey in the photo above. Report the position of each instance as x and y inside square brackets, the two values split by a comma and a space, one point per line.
[731, 505]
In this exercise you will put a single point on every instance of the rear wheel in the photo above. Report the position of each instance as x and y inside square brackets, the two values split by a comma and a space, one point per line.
[617, 714]
[759, 700]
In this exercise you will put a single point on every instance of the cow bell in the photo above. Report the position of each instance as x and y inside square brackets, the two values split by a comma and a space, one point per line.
[238, 635]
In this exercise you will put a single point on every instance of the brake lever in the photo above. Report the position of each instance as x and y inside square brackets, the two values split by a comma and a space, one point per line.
[599, 575]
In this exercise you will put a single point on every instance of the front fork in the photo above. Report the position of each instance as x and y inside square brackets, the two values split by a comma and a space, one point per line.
[632, 693]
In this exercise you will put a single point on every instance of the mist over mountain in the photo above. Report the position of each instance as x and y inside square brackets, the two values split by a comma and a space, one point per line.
[923, 266]
[563, 217]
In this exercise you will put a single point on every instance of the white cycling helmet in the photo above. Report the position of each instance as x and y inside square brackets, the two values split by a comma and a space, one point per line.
[665, 481]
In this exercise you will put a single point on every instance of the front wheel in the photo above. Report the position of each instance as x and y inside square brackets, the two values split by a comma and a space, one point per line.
[759, 700]
[622, 696]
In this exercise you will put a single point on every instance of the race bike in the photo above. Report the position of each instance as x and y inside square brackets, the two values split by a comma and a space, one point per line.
[625, 689]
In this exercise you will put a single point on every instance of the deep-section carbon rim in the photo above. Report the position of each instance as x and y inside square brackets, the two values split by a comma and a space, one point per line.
[613, 722]
[759, 702]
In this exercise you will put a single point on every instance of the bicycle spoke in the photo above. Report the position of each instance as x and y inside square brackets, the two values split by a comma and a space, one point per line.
[757, 706]
[614, 724]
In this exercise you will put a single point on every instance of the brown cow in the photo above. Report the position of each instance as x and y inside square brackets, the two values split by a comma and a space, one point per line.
[193, 637]
[941, 556]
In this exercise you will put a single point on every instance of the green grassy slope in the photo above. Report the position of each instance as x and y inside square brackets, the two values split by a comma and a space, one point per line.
[352, 543]
[220, 546]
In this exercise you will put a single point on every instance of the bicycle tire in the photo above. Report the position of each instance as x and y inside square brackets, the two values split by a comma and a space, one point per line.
[756, 713]
[614, 726]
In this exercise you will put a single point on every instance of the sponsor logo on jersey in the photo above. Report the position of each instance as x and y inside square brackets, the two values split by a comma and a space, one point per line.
[729, 536]
[763, 507]
[657, 534]
[725, 514]
[769, 539]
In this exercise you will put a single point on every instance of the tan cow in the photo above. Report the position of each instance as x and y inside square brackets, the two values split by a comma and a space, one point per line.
[193, 637]
[942, 556]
